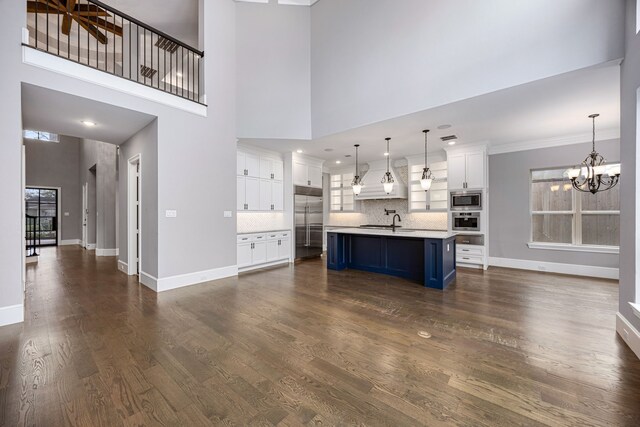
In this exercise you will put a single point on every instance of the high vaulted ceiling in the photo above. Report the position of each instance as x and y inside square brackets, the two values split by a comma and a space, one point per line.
[549, 111]
[178, 18]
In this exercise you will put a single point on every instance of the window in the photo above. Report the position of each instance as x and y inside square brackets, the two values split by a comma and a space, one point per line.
[40, 136]
[565, 217]
[42, 203]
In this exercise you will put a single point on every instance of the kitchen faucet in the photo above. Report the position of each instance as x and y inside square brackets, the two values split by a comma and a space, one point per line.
[393, 224]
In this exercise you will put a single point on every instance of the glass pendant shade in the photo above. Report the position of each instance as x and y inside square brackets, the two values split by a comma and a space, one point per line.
[387, 179]
[356, 184]
[425, 183]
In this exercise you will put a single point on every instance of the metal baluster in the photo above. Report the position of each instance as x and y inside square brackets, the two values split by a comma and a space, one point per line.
[171, 71]
[78, 39]
[47, 26]
[151, 67]
[164, 55]
[58, 30]
[88, 46]
[137, 53]
[114, 42]
[36, 18]
[122, 47]
[144, 55]
[182, 79]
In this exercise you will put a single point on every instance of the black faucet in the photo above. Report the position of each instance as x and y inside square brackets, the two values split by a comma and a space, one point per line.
[393, 224]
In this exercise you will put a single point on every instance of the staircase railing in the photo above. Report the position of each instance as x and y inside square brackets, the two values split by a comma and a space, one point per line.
[95, 34]
[32, 235]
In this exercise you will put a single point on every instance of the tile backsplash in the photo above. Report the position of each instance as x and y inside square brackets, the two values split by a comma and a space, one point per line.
[254, 222]
[372, 212]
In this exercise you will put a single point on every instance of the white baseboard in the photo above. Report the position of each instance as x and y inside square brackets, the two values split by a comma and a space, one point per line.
[257, 267]
[628, 333]
[182, 280]
[107, 252]
[70, 242]
[149, 281]
[124, 267]
[556, 267]
[31, 259]
[11, 314]
[91, 246]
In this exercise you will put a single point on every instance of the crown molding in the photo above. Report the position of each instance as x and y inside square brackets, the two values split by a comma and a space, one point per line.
[535, 144]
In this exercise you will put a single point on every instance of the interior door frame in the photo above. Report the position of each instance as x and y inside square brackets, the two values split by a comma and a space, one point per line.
[85, 213]
[134, 186]
[58, 209]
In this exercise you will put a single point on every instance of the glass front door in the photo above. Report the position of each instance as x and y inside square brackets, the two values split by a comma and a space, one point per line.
[42, 203]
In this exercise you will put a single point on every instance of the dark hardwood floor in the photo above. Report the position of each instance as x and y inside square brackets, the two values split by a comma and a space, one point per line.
[304, 346]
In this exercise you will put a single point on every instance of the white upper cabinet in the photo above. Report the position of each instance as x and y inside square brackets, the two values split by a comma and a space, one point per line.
[307, 173]
[259, 183]
[436, 198]
[340, 192]
[456, 174]
[271, 169]
[475, 170]
[248, 164]
[466, 170]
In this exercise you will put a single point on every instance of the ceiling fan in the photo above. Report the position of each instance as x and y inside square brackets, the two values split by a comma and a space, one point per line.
[88, 16]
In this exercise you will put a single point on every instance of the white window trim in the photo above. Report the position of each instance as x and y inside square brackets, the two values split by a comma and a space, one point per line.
[575, 248]
[636, 308]
[576, 224]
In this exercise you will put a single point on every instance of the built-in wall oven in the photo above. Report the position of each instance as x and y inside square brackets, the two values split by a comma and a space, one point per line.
[465, 200]
[465, 221]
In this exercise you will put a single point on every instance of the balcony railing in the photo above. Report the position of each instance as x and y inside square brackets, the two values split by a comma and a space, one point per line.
[94, 34]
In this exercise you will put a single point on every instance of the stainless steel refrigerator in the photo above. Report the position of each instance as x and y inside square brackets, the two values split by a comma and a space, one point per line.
[308, 216]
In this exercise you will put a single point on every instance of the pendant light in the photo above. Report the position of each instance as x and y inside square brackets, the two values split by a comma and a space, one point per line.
[427, 176]
[387, 179]
[594, 171]
[356, 184]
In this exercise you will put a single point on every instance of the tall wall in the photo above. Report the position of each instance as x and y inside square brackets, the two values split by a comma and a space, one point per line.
[374, 60]
[273, 71]
[196, 154]
[144, 143]
[510, 217]
[629, 138]
[58, 165]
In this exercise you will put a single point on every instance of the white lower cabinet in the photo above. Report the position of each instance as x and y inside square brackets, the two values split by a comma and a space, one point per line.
[470, 254]
[262, 249]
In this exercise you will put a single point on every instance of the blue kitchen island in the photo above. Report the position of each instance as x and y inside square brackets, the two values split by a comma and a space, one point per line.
[428, 257]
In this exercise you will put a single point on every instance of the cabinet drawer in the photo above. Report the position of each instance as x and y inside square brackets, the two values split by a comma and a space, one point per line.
[284, 234]
[244, 238]
[469, 259]
[470, 250]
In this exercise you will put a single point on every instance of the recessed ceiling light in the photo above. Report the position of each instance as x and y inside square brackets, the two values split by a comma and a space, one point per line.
[386, 154]
[88, 123]
[452, 143]
[441, 127]
[299, 151]
[338, 162]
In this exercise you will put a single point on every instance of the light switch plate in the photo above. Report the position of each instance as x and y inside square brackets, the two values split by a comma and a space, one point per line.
[171, 214]
[228, 214]
[66, 214]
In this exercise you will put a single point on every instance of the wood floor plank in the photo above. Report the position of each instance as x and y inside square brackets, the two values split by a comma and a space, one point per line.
[299, 345]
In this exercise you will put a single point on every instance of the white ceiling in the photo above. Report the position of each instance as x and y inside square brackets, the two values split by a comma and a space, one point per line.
[285, 2]
[546, 109]
[51, 111]
[177, 18]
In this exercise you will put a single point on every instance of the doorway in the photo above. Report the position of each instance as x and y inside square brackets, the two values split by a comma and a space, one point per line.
[134, 209]
[42, 203]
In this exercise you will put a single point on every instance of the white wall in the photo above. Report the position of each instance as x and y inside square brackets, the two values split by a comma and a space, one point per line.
[509, 202]
[196, 155]
[630, 178]
[273, 71]
[374, 60]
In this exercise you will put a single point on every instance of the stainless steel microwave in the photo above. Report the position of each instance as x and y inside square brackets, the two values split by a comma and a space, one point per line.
[465, 200]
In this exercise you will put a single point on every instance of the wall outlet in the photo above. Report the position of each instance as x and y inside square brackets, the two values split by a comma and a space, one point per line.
[228, 214]
[171, 214]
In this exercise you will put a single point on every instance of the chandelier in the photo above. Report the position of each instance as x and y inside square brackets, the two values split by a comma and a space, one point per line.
[594, 175]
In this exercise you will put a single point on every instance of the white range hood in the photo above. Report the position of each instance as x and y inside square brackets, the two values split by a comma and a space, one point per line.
[372, 183]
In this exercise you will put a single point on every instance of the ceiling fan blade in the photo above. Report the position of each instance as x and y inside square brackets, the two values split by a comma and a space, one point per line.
[89, 10]
[91, 29]
[103, 24]
[43, 6]
[67, 18]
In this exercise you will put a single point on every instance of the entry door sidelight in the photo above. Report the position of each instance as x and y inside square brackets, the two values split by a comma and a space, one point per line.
[42, 203]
